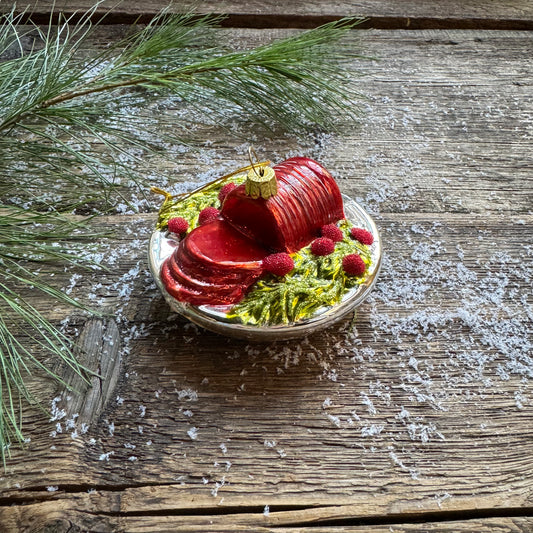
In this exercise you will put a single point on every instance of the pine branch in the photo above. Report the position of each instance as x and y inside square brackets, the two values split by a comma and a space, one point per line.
[64, 126]
[62, 97]
[31, 237]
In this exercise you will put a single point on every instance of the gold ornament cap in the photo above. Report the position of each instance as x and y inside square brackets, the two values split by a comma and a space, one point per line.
[261, 179]
[261, 182]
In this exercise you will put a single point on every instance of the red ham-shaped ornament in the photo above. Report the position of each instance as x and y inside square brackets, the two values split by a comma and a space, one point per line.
[217, 262]
[307, 199]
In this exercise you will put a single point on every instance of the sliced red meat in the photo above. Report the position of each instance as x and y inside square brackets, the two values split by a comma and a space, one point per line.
[199, 283]
[213, 296]
[214, 264]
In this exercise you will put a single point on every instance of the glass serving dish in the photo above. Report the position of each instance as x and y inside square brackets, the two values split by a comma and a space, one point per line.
[213, 318]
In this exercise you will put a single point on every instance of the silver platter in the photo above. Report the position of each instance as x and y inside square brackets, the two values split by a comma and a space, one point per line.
[162, 245]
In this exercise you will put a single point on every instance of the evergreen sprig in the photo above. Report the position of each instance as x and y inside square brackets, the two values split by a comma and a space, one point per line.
[74, 124]
[29, 238]
[72, 120]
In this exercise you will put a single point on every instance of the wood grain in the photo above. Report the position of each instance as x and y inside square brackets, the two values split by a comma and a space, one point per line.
[98, 350]
[52, 516]
[441, 130]
[286, 446]
[60, 516]
[413, 417]
[511, 14]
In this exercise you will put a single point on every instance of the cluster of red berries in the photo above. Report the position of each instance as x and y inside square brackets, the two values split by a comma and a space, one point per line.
[208, 214]
[178, 225]
[362, 235]
[331, 231]
[281, 264]
[353, 265]
[330, 234]
[226, 189]
[325, 244]
[322, 246]
[278, 264]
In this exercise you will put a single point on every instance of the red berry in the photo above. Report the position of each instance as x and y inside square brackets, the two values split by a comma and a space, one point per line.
[362, 235]
[208, 214]
[322, 246]
[178, 225]
[331, 231]
[353, 265]
[226, 189]
[278, 264]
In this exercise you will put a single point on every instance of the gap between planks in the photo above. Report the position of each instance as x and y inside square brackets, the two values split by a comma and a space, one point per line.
[279, 515]
[297, 21]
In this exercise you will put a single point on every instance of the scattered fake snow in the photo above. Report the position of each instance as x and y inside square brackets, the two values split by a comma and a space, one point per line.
[193, 433]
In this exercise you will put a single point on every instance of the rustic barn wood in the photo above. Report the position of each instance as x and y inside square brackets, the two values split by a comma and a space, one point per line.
[414, 415]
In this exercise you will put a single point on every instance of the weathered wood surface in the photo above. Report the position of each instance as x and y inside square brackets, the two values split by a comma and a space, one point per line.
[415, 417]
[412, 14]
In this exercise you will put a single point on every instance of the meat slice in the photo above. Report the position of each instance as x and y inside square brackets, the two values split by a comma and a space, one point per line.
[214, 264]
[212, 294]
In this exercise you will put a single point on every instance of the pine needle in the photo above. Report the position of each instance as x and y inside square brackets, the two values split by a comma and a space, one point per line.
[28, 237]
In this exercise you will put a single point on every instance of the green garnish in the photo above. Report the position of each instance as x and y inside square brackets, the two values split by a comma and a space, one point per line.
[315, 282]
[189, 207]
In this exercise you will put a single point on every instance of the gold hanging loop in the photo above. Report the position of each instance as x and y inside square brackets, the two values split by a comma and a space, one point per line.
[261, 169]
[162, 192]
[258, 169]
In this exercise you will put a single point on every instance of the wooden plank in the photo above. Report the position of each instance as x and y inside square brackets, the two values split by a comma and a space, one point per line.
[61, 516]
[420, 413]
[511, 14]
